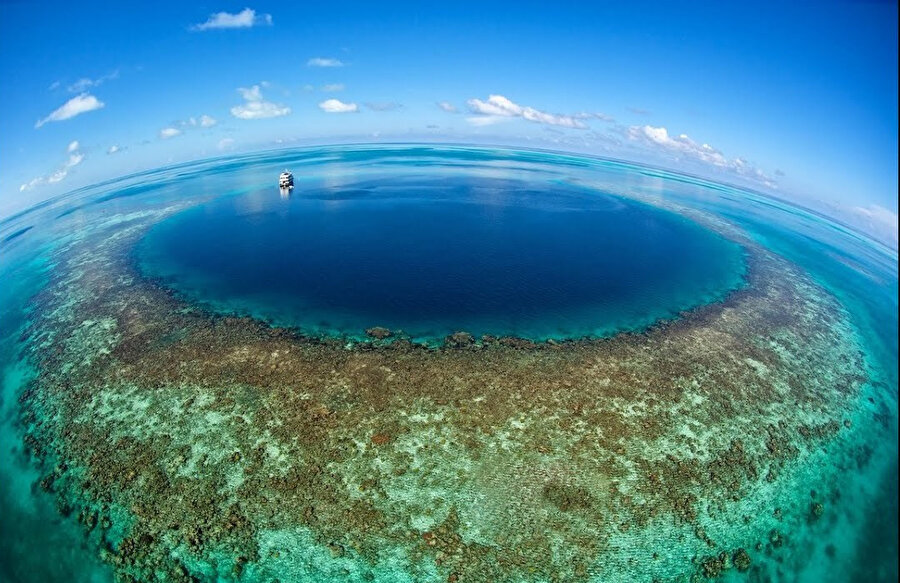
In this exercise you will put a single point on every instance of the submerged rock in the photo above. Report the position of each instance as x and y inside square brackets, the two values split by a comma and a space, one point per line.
[775, 538]
[515, 342]
[725, 560]
[381, 438]
[336, 550]
[741, 560]
[460, 340]
[711, 567]
[378, 332]
[816, 510]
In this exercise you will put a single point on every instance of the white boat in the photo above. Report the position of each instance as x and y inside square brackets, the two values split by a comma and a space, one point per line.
[286, 180]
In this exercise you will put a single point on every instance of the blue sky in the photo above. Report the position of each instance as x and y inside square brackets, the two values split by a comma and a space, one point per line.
[798, 99]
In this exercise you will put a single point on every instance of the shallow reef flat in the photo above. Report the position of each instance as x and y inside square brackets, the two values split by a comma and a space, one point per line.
[199, 447]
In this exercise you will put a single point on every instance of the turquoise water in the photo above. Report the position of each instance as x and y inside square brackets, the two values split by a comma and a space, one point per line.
[39, 544]
[433, 255]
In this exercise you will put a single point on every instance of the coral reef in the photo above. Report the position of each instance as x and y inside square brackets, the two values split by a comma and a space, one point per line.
[193, 446]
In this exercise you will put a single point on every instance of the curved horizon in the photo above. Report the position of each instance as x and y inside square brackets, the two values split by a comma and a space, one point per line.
[889, 246]
[765, 101]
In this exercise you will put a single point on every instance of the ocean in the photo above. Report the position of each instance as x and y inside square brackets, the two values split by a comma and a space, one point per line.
[443, 363]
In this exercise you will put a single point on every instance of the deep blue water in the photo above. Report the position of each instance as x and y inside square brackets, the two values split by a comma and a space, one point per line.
[529, 257]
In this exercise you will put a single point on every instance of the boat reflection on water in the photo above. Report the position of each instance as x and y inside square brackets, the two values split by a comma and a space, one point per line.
[285, 184]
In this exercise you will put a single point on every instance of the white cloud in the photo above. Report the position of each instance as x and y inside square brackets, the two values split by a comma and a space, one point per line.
[169, 132]
[225, 144]
[204, 121]
[81, 85]
[333, 87]
[495, 105]
[447, 106]
[75, 157]
[84, 83]
[34, 182]
[337, 106]
[682, 145]
[500, 106]
[255, 107]
[77, 105]
[594, 115]
[54, 86]
[324, 62]
[243, 19]
[877, 221]
[259, 110]
[877, 213]
[114, 149]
